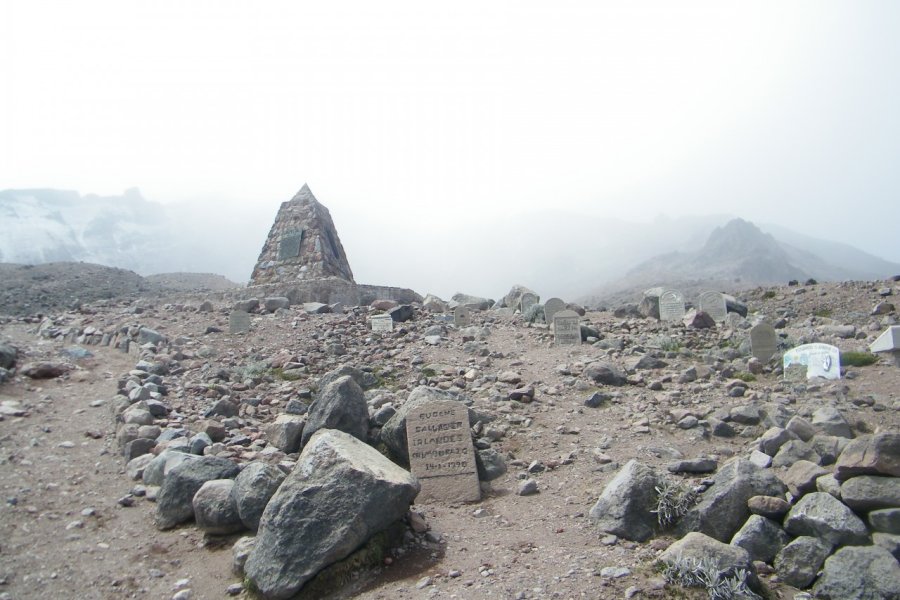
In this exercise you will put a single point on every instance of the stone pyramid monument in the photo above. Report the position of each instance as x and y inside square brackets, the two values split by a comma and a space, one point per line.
[302, 245]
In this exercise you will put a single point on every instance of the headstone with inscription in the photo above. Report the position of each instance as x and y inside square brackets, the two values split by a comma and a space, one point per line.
[566, 328]
[713, 304]
[551, 307]
[461, 316]
[239, 322]
[671, 306]
[820, 360]
[382, 323]
[763, 341]
[527, 301]
[289, 246]
[441, 454]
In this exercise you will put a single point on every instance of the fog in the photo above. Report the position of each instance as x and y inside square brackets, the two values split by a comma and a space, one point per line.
[454, 144]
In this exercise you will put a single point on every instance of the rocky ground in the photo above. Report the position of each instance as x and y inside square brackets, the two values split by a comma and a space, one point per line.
[74, 524]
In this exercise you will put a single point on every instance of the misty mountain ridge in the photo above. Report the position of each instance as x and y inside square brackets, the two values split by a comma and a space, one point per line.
[556, 253]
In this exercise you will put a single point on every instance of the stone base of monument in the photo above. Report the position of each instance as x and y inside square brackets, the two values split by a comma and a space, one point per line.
[330, 290]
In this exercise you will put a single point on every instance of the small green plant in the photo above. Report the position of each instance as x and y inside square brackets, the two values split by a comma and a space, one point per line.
[745, 377]
[704, 573]
[668, 344]
[674, 500]
[858, 359]
[428, 372]
[535, 313]
[289, 375]
[768, 294]
[825, 313]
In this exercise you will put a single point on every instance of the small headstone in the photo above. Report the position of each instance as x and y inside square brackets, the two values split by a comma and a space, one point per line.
[461, 316]
[713, 304]
[888, 342]
[441, 454]
[239, 322]
[289, 246]
[820, 360]
[763, 341]
[381, 323]
[527, 301]
[671, 306]
[551, 307]
[566, 328]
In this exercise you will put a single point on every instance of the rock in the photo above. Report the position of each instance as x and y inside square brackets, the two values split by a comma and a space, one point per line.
[870, 492]
[762, 538]
[341, 405]
[434, 304]
[138, 447]
[886, 520]
[829, 485]
[830, 421]
[150, 336]
[760, 459]
[285, 432]
[605, 373]
[746, 415]
[393, 434]
[597, 399]
[316, 308]
[625, 505]
[339, 494]
[701, 548]
[792, 451]
[869, 573]
[472, 302]
[222, 408]
[214, 508]
[527, 487]
[402, 313]
[723, 507]
[773, 439]
[889, 542]
[8, 355]
[802, 428]
[828, 447]
[246, 306]
[272, 304]
[823, 516]
[253, 488]
[240, 552]
[870, 455]
[44, 370]
[165, 461]
[799, 561]
[175, 502]
[362, 378]
[801, 477]
[697, 319]
[768, 506]
[135, 467]
[694, 465]
[490, 463]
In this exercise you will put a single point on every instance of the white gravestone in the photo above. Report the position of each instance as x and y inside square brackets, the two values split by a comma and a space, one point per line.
[763, 341]
[671, 306]
[441, 454]
[238, 322]
[567, 328]
[551, 307]
[820, 360]
[461, 316]
[713, 304]
[381, 323]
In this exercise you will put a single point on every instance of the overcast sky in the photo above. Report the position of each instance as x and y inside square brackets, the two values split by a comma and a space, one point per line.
[409, 116]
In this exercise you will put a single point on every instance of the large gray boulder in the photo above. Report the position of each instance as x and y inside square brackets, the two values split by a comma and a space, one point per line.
[727, 559]
[174, 505]
[831, 422]
[253, 488]
[157, 469]
[393, 434]
[339, 494]
[859, 573]
[285, 432]
[723, 507]
[364, 379]
[214, 508]
[870, 492]
[472, 302]
[340, 405]
[870, 455]
[762, 538]
[798, 562]
[624, 508]
[605, 373]
[823, 516]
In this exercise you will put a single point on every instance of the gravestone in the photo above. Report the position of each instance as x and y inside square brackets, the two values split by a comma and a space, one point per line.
[551, 307]
[527, 301]
[713, 304]
[461, 316]
[289, 246]
[238, 322]
[441, 454]
[381, 323]
[566, 328]
[763, 341]
[671, 306]
[820, 360]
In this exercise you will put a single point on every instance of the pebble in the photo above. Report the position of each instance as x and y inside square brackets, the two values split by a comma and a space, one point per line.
[528, 487]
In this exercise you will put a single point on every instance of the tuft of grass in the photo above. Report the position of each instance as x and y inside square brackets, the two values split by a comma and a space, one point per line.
[823, 312]
[768, 294]
[674, 500]
[745, 377]
[289, 375]
[535, 313]
[667, 344]
[858, 359]
[428, 372]
[704, 573]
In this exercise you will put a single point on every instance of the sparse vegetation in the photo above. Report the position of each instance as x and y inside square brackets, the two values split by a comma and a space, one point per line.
[288, 375]
[745, 377]
[428, 372]
[858, 359]
[668, 344]
[535, 313]
[675, 499]
[825, 313]
[768, 294]
[719, 585]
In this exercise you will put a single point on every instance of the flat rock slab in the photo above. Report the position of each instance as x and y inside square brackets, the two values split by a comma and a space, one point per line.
[822, 515]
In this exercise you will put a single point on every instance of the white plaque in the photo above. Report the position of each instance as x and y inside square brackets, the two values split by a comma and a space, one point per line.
[820, 360]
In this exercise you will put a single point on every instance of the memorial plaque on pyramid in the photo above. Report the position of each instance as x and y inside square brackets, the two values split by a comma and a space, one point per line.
[302, 245]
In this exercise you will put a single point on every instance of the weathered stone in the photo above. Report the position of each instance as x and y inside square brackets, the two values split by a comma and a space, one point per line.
[240, 552]
[726, 558]
[828, 447]
[624, 508]
[174, 504]
[702, 464]
[773, 439]
[854, 573]
[471, 302]
[762, 538]
[888, 541]
[792, 451]
[285, 432]
[44, 370]
[253, 488]
[831, 422]
[605, 373]
[697, 319]
[871, 492]
[159, 467]
[801, 477]
[339, 494]
[822, 515]
[402, 313]
[723, 507]
[214, 508]
[340, 405]
[802, 428]
[885, 520]
[8, 355]
[870, 455]
[491, 464]
[273, 303]
[135, 467]
[768, 506]
[799, 561]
